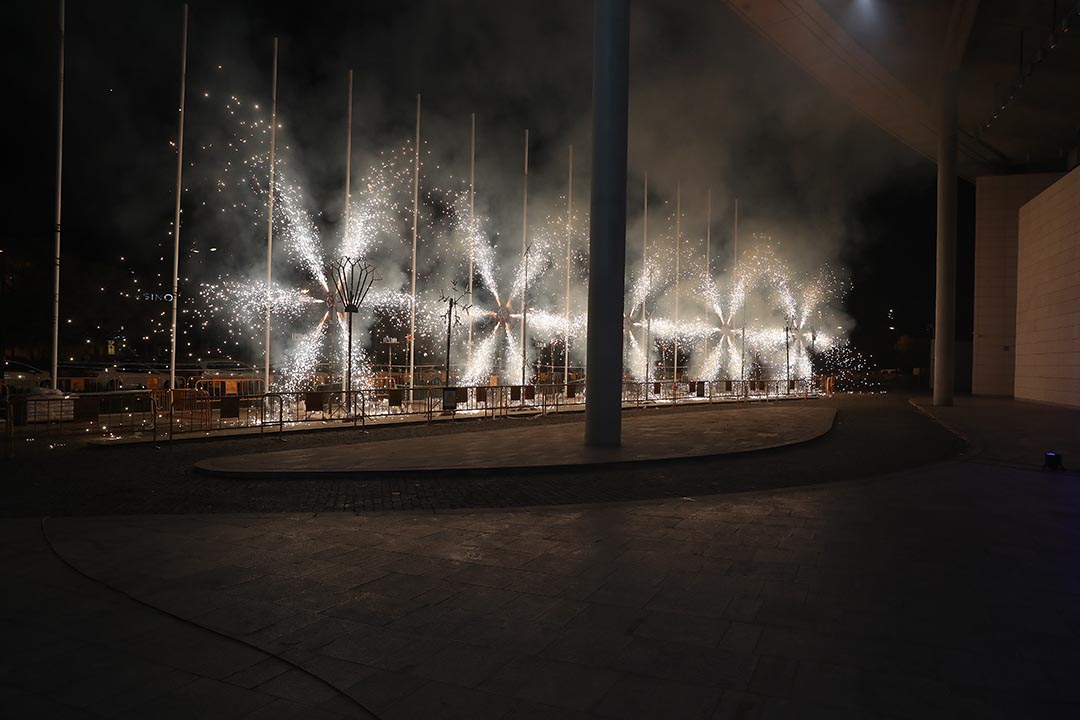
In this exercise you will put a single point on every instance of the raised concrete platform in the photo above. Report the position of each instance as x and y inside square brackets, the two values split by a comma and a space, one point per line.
[661, 436]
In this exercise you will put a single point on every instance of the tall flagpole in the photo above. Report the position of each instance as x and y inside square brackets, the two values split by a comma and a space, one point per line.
[569, 230]
[56, 225]
[745, 297]
[270, 218]
[415, 218]
[524, 248]
[348, 156]
[345, 381]
[708, 255]
[179, 193]
[645, 277]
[678, 250]
[472, 221]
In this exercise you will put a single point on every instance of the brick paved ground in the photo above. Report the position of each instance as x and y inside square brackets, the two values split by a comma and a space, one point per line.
[74, 649]
[947, 588]
[872, 435]
[945, 591]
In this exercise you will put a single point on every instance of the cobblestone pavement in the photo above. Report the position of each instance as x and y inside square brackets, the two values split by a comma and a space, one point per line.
[945, 591]
[872, 435]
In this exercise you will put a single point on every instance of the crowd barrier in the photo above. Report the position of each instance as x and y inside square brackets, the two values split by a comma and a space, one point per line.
[213, 408]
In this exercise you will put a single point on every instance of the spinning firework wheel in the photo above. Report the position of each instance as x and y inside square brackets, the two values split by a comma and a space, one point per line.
[352, 279]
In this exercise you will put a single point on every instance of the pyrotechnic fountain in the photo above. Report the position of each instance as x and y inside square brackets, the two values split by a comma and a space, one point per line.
[720, 326]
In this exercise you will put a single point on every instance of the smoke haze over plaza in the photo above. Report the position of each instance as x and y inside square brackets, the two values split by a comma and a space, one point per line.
[712, 109]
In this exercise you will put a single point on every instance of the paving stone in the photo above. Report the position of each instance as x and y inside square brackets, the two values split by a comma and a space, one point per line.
[369, 647]
[152, 681]
[624, 591]
[712, 667]
[298, 686]
[587, 647]
[258, 673]
[773, 676]
[458, 664]
[825, 683]
[311, 633]
[679, 627]
[549, 681]
[438, 700]
[736, 705]
[203, 698]
[381, 688]
[645, 697]
[946, 590]
[281, 709]
[525, 710]
[19, 704]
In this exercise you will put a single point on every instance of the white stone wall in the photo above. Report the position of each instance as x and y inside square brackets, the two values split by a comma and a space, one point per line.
[997, 227]
[1048, 296]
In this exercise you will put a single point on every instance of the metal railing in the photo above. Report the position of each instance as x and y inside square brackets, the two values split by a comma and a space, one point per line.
[164, 413]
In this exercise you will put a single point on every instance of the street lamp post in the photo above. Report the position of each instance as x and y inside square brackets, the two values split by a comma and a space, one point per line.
[352, 280]
[539, 345]
[648, 344]
[787, 352]
[524, 314]
[454, 304]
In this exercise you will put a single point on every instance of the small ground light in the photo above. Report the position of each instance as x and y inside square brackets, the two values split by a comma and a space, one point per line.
[1053, 461]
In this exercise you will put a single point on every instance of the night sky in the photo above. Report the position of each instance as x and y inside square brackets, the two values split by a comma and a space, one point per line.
[712, 106]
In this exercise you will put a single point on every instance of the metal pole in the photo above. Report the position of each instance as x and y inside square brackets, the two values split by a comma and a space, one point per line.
[472, 223]
[179, 193]
[415, 216]
[348, 155]
[569, 230]
[787, 351]
[678, 252]
[607, 232]
[745, 297]
[348, 187]
[56, 225]
[524, 240]
[945, 305]
[648, 340]
[708, 254]
[524, 318]
[646, 274]
[270, 217]
[449, 327]
[348, 366]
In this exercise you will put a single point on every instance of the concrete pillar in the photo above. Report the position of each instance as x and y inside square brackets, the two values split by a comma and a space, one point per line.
[945, 304]
[607, 229]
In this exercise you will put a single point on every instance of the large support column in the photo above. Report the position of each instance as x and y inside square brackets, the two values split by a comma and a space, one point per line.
[945, 305]
[607, 227]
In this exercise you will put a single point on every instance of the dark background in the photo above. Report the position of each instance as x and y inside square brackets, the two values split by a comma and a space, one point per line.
[711, 106]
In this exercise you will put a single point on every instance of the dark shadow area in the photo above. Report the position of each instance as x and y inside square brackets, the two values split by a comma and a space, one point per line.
[873, 434]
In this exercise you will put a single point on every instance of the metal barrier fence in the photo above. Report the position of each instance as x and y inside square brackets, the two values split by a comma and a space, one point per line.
[163, 414]
[98, 413]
